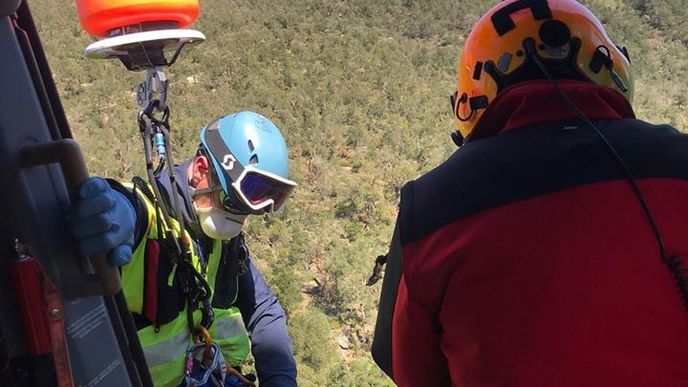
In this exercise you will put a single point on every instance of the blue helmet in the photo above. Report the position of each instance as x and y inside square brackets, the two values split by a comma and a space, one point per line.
[250, 157]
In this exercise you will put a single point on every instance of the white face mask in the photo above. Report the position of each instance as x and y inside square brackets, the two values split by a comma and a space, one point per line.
[219, 224]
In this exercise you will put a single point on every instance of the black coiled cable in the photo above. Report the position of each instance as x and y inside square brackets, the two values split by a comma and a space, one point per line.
[676, 267]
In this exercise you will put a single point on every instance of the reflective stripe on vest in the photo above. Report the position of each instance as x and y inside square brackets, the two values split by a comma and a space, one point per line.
[132, 273]
[230, 334]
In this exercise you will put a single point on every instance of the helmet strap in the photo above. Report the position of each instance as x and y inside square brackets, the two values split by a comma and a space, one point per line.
[603, 57]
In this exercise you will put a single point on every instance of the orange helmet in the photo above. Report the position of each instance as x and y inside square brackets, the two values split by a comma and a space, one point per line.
[507, 43]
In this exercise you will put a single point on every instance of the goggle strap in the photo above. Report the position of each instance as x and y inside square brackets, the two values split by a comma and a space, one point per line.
[202, 191]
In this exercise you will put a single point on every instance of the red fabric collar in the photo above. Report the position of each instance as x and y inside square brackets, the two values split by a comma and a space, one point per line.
[538, 101]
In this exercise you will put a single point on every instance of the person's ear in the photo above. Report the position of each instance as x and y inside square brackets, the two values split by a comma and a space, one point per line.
[200, 171]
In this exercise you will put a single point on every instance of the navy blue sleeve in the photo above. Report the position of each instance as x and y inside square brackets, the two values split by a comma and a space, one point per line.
[267, 325]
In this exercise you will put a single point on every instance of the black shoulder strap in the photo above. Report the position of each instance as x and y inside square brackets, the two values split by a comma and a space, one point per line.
[142, 186]
[232, 264]
[147, 191]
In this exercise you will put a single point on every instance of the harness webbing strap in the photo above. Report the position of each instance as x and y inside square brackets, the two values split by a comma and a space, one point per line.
[194, 287]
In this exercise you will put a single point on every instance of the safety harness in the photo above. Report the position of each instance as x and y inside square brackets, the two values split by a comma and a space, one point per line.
[171, 282]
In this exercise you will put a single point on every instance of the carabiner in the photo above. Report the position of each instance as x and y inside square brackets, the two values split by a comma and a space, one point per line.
[202, 333]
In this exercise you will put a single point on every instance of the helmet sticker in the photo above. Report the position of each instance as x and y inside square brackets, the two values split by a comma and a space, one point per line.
[228, 162]
[262, 124]
[478, 70]
[504, 62]
[502, 19]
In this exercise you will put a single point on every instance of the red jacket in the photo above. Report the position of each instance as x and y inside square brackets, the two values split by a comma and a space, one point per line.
[526, 259]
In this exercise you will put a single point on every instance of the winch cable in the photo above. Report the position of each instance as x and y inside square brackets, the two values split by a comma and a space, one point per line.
[194, 286]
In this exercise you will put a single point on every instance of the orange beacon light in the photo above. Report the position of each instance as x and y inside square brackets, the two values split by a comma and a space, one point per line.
[140, 33]
[100, 17]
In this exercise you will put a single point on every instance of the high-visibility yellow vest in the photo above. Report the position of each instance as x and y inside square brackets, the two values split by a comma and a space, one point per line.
[165, 346]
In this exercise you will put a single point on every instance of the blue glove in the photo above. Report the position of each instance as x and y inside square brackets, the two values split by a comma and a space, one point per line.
[102, 221]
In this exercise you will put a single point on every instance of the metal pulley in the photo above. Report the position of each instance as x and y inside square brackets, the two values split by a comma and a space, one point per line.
[153, 88]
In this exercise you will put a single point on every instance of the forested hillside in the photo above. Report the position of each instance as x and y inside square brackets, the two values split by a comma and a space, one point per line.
[360, 90]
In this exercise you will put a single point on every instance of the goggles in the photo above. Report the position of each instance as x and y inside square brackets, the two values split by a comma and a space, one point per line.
[254, 191]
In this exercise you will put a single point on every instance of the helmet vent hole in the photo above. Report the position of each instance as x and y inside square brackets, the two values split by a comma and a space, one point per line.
[253, 160]
[251, 148]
